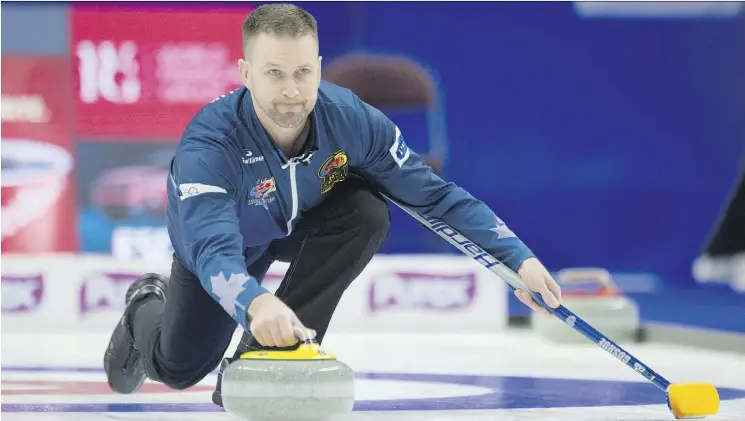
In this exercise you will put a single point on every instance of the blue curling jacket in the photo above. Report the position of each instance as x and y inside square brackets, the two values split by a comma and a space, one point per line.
[231, 190]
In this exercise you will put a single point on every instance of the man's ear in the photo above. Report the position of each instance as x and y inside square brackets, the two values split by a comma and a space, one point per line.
[244, 68]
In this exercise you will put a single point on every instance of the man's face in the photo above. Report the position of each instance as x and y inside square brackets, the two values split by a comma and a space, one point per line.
[283, 75]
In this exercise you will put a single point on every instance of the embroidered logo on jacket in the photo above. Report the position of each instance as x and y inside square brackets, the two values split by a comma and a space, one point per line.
[333, 170]
[260, 192]
[248, 157]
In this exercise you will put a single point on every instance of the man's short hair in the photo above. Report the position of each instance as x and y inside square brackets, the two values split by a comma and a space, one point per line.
[279, 20]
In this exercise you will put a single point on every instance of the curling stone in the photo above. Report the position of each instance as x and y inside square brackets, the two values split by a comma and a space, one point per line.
[598, 303]
[304, 384]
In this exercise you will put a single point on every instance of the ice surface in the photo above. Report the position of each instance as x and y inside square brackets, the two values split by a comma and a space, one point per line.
[508, 376]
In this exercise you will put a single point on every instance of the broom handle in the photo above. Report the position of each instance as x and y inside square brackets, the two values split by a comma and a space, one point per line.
[469, 248]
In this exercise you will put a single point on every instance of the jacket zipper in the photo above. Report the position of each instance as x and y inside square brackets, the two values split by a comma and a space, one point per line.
[293, 186]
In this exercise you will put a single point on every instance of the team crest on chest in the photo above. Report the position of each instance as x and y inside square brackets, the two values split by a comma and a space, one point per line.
[261, 191]
[333, 170]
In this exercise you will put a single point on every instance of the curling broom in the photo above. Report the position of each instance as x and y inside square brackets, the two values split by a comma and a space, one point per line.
[685, 400]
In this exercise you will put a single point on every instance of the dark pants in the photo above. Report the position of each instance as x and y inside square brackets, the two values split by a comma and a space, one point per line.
[185, 338]
[729, 234]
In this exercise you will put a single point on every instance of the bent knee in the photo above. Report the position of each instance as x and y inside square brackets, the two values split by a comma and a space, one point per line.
[182, 381]
[372, 211]
[182, 376]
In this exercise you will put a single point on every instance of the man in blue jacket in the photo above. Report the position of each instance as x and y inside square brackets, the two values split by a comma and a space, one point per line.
[286, 168]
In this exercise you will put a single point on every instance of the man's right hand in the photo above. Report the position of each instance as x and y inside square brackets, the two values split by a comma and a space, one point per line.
[273, 323]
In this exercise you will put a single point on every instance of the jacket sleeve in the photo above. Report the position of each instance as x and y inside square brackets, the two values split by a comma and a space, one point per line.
[208, 182]
[404, 176]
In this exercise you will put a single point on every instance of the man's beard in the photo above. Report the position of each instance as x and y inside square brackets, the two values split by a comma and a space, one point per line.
[287, 120]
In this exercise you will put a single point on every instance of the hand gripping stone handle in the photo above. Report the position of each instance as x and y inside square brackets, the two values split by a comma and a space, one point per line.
[305, 335]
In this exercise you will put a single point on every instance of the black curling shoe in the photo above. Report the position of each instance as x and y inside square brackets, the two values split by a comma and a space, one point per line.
[125, 370]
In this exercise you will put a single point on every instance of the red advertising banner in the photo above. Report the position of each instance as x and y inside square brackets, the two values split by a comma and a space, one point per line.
[37, 160]
[144, 72]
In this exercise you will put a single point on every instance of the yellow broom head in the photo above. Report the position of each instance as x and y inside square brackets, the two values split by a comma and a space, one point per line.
[692, 400]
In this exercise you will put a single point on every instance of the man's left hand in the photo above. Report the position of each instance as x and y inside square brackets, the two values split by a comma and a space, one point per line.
[535, 276]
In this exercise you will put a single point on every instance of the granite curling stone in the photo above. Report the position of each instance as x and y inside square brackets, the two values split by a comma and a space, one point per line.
[593, 295]
[304, 384]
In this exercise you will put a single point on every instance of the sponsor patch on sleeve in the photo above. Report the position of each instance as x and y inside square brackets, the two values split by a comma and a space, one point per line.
[399, 151]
